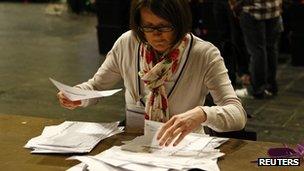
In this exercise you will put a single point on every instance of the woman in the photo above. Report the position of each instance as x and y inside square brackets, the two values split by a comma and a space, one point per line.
[168, 72]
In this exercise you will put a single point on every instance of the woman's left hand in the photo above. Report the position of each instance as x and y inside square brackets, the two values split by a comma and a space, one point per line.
[180, 125]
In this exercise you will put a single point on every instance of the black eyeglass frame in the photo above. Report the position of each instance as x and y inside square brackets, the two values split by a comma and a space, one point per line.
[150, 29]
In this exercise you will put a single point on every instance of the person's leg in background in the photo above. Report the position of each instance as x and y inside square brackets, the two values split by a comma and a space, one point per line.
[240, 49]
[254, 35]
[221, 11]
[273, 32]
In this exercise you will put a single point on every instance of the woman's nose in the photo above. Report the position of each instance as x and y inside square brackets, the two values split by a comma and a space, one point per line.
[156, 33]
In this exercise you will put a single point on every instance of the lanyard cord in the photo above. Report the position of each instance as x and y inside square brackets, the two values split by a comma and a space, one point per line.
[179, 75]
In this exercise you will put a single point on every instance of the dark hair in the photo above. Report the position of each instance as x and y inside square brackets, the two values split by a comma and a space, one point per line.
[177, 12]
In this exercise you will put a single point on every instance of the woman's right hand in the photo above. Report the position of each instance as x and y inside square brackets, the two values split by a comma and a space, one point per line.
[67, 103]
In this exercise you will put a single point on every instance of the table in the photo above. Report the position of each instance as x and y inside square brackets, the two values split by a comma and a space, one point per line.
[16, 130]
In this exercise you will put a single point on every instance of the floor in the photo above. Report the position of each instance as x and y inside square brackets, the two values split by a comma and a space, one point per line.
[35, 46]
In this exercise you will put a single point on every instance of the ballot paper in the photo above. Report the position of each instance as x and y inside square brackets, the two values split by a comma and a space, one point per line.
[144, 153]
[192, 143]
[74, 93]
[72, 137]
[124, 160]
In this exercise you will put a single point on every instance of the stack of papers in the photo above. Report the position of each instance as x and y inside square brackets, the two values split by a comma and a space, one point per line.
[144, 153]
[72, 137]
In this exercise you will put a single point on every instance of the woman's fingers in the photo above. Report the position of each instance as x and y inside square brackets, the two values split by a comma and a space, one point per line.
[180, 125]
[177, 132]
[174, 135]
[77, 102]
[60, 95]
[180, 138]
[66, 103]
[165, 127]
[170, 132]
[72, 103]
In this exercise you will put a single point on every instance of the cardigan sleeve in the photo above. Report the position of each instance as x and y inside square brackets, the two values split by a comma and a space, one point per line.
[229, 114]
[106, 76]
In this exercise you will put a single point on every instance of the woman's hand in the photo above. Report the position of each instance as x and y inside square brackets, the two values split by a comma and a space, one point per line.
[180, 125]
[67, 103]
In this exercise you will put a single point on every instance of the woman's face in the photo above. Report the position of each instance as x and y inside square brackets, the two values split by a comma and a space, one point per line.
[158, 32]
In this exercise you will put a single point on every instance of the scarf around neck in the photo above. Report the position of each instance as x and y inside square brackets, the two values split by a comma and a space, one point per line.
[155, 72]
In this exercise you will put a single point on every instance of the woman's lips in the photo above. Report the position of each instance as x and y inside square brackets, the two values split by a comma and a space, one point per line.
[159, 43]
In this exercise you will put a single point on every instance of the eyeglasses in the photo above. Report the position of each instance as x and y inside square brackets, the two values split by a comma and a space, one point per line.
[149, 29]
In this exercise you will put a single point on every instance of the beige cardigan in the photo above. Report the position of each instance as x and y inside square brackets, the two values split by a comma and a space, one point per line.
[204, 72]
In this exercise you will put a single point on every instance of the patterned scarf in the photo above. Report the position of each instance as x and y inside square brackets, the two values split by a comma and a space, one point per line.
[154, 73]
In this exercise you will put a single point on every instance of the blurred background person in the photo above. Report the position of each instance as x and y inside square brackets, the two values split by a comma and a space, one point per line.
[230, 41]
[261, 23]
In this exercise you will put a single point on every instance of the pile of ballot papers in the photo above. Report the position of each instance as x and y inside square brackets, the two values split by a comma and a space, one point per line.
[72, 137]
[144, 153]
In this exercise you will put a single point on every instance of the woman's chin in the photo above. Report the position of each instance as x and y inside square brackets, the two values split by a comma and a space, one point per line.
[160, 48]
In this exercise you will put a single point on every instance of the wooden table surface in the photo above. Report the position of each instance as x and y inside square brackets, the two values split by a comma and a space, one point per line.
[16, 130]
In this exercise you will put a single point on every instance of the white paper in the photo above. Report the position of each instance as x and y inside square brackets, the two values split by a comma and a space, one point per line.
[72, 137]
[144, 153]
[134, 122]
[191, 143]
[133, 161]
[78, 167]
[74, 93]
[93, 164]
